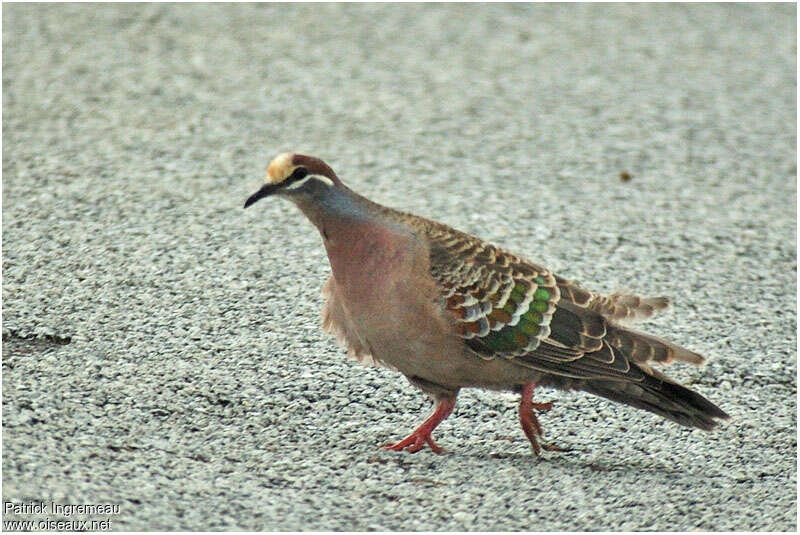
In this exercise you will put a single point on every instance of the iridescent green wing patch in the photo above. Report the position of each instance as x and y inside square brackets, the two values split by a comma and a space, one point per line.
[522, 322]
[502, 304]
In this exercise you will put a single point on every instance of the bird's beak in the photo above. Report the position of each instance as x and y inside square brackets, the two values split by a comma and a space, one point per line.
[265, 191]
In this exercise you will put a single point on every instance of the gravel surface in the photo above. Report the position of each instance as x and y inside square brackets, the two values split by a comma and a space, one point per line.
[161, 346]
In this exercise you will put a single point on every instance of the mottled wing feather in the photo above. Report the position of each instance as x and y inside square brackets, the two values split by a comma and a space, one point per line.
[503, 305]
[644, 348]
[618, 306]
[624, 306]
[507, 307]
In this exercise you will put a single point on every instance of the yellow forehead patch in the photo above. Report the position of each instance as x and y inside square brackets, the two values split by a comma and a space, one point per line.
[280, 168]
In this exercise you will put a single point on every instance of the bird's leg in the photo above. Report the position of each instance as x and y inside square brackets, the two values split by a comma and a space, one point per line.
[422, 434]
[530, 424]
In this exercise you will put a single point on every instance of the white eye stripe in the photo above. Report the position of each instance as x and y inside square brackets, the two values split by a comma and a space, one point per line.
[325, 180]
[299, 183]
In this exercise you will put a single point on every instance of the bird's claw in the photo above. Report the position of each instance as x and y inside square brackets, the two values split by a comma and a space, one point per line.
[414, 443]
[533, 430]
[530, 423]
[422, 434]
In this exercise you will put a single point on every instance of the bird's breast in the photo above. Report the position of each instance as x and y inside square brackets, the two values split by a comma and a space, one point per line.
[387, 304]
[369, 263]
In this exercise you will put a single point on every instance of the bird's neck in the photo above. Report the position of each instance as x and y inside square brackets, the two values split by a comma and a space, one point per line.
[361, 237]
[341, 214]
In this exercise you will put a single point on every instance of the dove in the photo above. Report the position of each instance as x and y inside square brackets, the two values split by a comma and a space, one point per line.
[451, 311]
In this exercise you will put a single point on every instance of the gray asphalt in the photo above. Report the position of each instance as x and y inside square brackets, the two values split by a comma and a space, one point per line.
[161, 346]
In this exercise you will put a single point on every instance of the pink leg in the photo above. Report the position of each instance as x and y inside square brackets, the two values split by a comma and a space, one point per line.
[422, 434]
[530, 424]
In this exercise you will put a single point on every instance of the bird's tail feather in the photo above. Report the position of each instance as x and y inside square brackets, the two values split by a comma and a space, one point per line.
[661, 396]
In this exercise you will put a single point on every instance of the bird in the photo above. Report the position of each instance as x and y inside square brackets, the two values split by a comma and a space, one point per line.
[451, 311]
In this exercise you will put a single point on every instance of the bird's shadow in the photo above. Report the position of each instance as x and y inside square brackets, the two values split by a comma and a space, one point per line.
[569, 461]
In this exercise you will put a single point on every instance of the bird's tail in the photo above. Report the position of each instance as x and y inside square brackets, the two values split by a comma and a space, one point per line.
[659, 395]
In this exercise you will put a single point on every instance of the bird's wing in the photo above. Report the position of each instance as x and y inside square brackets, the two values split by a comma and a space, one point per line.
[507, 307]
[499, 300]
[620, 306]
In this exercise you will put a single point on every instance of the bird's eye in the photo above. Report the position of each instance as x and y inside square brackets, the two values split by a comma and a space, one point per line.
[298, 174]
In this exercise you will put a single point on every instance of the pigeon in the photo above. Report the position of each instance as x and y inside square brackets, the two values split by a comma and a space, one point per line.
[451, 311]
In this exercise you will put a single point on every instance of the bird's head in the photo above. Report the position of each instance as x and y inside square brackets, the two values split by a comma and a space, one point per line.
[295, 175]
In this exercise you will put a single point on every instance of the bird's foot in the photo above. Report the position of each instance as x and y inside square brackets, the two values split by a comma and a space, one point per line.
[415, 442]
[532, 428]
[529, 421]
[422, 434]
